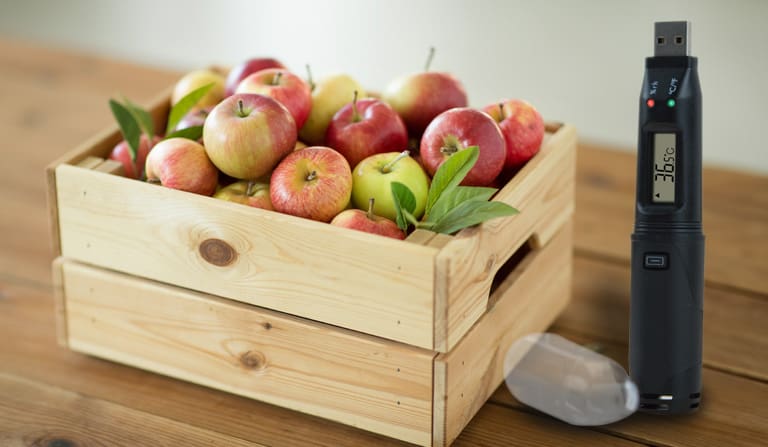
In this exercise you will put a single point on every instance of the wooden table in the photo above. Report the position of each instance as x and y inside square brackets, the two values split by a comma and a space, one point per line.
[53, 100]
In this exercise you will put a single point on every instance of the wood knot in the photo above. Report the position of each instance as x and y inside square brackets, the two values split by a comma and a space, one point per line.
[217, 252]
[253, 360]
[48, 441]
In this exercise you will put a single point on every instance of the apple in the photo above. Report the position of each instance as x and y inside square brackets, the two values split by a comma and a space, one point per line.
[246, 135]
[299, 145]
[460, 128]
[133, 168]
[328, 96]
[314, 183]
[418, 98]
[196, 79]
[180, 163]
[287, 88]
[522, 127]
[195, 117]
[366, 127]
[255, 194]
[373, 176]
[244, 69]
[368, 222]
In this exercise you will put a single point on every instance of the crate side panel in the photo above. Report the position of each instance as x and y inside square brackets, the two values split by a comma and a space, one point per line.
[474, 368]
[359, 380]
[351, 279]
[543, 191]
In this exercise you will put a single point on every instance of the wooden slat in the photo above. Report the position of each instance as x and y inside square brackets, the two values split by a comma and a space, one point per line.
[40, 415]
[356, 280]
[735, 217]
[471, 371]
[734, 323]
[366, 382]
[59, 303]
[732, 410]
[543, 192]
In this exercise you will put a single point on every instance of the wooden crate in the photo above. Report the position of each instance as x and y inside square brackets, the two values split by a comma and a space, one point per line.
[403, 338]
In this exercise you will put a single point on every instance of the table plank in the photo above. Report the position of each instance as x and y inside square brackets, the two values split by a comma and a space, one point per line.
[732, 411]
[734, 323]
[735, 217]
[40, 415]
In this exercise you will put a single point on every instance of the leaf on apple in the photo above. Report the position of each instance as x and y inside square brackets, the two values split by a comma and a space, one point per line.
[452, 198]
[184, 105]
[451, 173]
[190, 133]
[405, 205]
[142, 117]
[129, 127]
[471, 213]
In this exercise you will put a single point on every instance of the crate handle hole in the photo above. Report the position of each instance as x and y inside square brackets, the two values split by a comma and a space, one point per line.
[511, 269]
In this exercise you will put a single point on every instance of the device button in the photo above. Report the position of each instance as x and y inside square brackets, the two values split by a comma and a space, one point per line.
[657, 261]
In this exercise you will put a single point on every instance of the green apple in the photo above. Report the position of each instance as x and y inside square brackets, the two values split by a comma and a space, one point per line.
[328, 96]
[373, 176]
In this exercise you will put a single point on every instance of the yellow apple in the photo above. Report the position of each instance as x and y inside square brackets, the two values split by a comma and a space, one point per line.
[196, 79]
[328, 96]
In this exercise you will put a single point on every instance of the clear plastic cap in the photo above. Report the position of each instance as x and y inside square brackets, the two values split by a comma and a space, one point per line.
[568, 381]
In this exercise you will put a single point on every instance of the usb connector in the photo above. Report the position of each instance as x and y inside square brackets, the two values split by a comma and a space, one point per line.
[672, 39]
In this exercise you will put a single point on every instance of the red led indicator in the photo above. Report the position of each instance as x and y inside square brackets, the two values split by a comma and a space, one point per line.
[650, 103]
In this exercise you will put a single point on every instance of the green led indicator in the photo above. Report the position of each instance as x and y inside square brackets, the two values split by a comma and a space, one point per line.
[670, 102]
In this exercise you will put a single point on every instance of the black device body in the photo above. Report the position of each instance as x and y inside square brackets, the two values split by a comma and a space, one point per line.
[667, 265]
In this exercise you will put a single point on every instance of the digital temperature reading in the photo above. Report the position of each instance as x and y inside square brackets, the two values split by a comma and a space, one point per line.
[664, 161]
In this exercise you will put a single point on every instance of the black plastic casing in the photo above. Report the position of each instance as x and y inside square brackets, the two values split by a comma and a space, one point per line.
[665, 344]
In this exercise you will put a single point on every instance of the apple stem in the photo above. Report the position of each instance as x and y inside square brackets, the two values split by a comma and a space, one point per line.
[276, 79]
[309, 79]
[388, 167]
[249, 189]
[241, 108]
[312, 175]
[370, 208]
[355, 112]
[501, 112]
[429, 58]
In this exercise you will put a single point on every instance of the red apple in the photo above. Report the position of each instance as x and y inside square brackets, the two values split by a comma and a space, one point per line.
[180, 163]
[366, 127]
[287, 88]
[246, 135]
[122, 153]
[195, 117]
[315, 183]
[460, 128]
[419, 98]
[522, 127]
[368, 222]
[255, 194]
[245, 68]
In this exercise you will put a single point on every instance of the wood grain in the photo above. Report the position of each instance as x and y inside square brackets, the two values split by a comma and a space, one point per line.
[366, 382]
[734, 323]
[40, 415]
[732, 411]
[471, 371]
[734, 213]
[543, 191]
[367, 283]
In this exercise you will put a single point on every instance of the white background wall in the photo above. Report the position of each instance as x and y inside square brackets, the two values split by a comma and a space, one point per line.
[577, 61]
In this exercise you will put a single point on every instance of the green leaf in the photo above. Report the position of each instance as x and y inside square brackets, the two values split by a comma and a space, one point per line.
[404, 201]
[142, 117]
[451, 173]
[190, 133]
[128, 127]
[471, 213]
[184, 105]
[451, 199]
